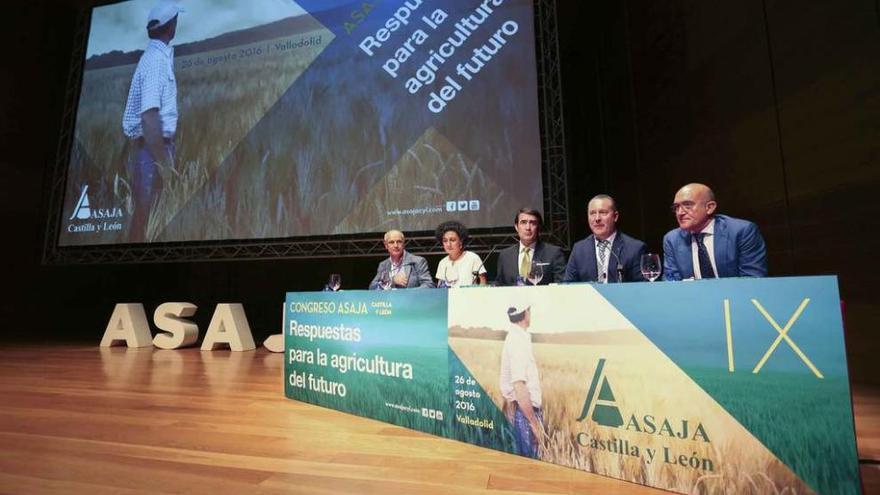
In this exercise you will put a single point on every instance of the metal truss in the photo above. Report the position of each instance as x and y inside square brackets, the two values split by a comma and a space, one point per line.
[555, 186]
[552, 125]
[278, 249]
[55, 178]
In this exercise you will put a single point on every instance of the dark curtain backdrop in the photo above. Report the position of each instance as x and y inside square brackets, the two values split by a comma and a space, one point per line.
[774, 104]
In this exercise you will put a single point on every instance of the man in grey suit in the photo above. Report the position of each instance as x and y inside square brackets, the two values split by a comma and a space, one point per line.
[515, 261]
[401, 269]
[608, 255]
[708, 245]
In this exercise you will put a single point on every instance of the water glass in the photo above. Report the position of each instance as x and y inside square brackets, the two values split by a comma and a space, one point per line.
[650, 266]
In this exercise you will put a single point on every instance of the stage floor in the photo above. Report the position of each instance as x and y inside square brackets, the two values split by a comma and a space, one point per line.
[78, 419]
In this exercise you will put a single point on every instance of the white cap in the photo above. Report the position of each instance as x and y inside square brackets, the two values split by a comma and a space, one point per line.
[163, 12]
[517, 308]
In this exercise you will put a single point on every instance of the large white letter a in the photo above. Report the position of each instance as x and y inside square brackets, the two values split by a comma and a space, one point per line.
[128, 324]
[229, 326]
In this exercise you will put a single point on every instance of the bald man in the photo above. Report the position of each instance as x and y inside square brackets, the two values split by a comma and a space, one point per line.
[402, 269]
[709, 245]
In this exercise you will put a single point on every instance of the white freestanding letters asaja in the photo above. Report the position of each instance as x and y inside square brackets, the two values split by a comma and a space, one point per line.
[229, 326]
[177, 331]
[128, 324]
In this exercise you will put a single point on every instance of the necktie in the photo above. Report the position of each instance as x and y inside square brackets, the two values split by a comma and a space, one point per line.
[601, 268]
[706, 270]
[526, 264]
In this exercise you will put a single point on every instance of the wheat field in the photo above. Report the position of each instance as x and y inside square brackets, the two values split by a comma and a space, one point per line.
[218, 105]
[642, 384]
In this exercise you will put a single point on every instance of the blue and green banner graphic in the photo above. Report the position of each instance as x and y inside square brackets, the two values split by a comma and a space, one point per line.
[718, 386]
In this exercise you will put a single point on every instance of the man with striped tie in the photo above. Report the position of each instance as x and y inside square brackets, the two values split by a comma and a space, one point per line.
[607, 255]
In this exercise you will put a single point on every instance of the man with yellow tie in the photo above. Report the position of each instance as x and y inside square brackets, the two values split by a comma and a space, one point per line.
[515, 262]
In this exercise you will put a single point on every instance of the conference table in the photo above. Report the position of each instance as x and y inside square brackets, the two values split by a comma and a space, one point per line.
[710, 386]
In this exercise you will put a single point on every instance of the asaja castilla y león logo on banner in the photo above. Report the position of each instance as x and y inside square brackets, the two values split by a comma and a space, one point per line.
[84, 218]
[601, 408]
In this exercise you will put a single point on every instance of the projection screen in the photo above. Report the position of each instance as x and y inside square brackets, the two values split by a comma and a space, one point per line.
[306, 118]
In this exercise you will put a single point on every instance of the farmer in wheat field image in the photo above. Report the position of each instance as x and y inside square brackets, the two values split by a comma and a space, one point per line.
[150, 117]
[520, 383]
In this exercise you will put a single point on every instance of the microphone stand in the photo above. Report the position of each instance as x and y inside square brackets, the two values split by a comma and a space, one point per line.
[409, 272]
[619, 264]
[476, 273]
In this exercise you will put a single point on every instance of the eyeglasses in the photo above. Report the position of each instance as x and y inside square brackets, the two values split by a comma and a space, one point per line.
[687, 206]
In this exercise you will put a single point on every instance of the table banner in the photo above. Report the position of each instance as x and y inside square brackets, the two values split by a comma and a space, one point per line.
[717, 386]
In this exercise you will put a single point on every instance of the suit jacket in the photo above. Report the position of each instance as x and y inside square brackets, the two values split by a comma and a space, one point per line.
[738, 246]
[508, 263]
[419, 275]
[582, 262]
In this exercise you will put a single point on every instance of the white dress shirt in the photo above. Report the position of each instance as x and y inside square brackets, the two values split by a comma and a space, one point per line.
[152, 86]
[602, 271]
[518, 364]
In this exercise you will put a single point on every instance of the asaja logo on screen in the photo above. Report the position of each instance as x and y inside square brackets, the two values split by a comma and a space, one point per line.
[82, 210]
[99, 219]
[602, 408]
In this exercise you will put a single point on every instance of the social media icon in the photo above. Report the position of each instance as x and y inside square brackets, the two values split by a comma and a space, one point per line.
[450, 205]
[475, 205]
[462, 206]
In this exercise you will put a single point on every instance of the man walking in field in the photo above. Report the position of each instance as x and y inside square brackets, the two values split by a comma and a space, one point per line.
[520, 383]
[150, 117]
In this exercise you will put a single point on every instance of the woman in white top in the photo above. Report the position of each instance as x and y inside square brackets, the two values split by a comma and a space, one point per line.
[458, 267]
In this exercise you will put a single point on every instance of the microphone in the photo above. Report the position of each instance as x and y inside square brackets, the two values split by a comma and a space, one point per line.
[619, 264]
[408, 272]
[476, 273]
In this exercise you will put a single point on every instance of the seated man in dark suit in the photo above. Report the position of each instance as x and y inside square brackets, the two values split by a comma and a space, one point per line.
[707, 245]
[516, 260]
[607, 255]
[401, 269]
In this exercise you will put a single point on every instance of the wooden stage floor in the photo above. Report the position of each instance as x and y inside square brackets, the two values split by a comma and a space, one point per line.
[77, 419]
